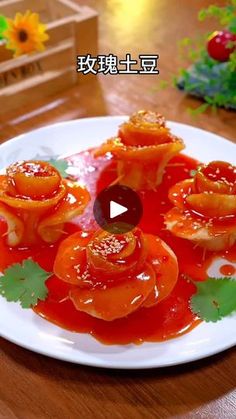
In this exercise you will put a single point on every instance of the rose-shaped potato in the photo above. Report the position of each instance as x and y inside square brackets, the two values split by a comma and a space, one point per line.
[144, 128]
[36, 202]
[205, 207]
[142, 149]
[112, 275]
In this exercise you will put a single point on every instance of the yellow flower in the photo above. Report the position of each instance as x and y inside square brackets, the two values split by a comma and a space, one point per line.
[25, 34]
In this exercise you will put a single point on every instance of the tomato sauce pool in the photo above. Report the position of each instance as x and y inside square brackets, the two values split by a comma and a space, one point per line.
[170, 318]
[227, 270]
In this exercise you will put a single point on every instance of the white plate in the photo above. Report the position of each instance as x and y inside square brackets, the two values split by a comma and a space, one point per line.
[26, 329]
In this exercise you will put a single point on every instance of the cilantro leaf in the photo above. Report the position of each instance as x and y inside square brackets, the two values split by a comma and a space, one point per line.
[61, 165]
[24, 283]
[215, 298]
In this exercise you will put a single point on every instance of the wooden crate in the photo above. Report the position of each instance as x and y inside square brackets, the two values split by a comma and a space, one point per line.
[72, 29]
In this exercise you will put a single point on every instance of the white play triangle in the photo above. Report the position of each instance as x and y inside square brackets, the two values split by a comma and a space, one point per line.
[116, 209]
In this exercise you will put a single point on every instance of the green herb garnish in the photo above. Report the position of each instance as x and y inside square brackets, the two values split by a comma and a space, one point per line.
[215, 298]
[24, 283]
[61, 165]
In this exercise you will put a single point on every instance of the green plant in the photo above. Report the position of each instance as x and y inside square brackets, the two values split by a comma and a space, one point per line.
[218, 87]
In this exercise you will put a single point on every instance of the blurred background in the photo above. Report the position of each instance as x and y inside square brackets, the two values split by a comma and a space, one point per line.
[135, 27]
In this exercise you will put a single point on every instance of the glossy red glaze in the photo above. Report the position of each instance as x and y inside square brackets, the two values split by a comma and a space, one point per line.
[168, 319]
[27, 179]
[227, 270]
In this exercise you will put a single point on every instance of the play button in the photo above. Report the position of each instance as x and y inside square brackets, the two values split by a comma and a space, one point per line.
[117, 209]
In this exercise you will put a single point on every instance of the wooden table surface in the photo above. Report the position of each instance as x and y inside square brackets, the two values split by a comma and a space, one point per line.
[33, 386]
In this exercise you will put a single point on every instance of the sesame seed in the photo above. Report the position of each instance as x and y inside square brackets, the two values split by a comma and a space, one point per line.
[108, 246]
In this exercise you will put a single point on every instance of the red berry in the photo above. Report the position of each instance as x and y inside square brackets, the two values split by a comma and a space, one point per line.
[217, 45]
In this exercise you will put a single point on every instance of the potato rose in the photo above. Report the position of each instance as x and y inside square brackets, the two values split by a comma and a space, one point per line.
[36, 202]
[112, 275]
[142, 149]
[205, 207]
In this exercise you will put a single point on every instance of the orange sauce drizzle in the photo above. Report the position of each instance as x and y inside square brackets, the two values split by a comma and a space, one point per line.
[170, 318]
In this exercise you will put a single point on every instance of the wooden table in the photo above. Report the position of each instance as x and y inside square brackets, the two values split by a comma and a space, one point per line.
[33, 386]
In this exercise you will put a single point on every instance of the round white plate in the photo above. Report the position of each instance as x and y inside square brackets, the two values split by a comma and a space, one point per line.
[26, 329]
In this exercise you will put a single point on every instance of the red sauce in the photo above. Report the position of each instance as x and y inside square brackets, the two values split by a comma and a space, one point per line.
[227, 270]
[216, 171]
[171, 317]
[230, 254]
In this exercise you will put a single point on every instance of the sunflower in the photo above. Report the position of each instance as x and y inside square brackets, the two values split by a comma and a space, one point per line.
[25, 34]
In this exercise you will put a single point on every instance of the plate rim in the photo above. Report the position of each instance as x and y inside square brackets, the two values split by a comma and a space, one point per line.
[117, 366]
[100, 363]
[93, 118]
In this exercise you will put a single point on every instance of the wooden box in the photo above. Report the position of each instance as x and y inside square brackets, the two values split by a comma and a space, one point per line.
[73, 30]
